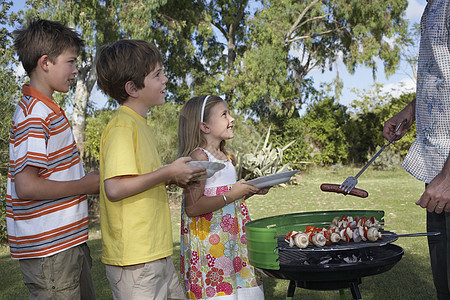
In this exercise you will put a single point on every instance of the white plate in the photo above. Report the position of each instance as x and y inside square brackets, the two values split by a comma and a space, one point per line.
[211, 167]
[273, 179]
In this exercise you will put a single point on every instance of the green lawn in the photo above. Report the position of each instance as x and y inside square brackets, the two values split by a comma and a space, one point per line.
[395, 192]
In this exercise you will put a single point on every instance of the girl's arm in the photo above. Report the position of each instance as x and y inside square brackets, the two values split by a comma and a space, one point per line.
[196, 204]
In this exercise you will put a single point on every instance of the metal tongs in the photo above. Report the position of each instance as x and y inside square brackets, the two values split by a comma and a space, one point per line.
[349, 183]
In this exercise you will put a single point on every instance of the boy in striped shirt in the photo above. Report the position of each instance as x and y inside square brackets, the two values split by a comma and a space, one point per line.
[46, 203]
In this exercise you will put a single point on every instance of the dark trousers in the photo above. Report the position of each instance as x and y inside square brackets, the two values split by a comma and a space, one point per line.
[439, 247]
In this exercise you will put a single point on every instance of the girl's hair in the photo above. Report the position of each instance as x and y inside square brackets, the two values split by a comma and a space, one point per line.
[189, 134]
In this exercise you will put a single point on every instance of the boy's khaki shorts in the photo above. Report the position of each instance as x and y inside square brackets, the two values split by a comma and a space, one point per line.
[65, 275]
[156, 280]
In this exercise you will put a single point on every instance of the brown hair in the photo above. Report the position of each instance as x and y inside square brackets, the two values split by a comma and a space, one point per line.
[189, 134]
[44, 37]
[125, 60]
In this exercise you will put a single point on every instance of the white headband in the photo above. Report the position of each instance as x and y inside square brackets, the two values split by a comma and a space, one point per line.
[203, 108]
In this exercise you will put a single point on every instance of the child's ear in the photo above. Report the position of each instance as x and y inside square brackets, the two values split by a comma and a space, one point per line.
[43, 62]
[204, 128]
[131, 89]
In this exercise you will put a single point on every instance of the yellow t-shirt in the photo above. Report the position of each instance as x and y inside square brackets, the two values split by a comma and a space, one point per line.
[136, 229]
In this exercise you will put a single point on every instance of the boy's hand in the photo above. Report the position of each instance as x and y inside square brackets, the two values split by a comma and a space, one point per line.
[91, 182]
[183, 174]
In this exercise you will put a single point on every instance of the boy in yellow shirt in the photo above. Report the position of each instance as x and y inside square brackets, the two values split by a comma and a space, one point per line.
[135, 217]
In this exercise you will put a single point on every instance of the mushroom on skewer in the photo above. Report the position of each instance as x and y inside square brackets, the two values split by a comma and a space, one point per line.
[301, 240]
[318, 239]
[373, 234]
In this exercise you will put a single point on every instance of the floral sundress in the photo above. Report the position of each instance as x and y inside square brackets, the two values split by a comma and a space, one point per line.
[214, 261]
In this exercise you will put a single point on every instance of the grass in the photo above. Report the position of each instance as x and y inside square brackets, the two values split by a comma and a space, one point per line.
[395, 192]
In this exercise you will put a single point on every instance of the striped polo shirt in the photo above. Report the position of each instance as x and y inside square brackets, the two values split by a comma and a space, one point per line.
[41, 137]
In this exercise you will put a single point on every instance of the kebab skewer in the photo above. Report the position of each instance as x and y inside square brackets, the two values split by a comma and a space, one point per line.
[346, 229]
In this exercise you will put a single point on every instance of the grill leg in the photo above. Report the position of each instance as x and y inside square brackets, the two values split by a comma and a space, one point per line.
[355, 290]
[291, 290]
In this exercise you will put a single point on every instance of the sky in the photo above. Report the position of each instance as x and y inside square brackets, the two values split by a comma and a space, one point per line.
[362, 79]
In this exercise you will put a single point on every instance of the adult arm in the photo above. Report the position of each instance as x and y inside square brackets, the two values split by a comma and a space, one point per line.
[30, 186]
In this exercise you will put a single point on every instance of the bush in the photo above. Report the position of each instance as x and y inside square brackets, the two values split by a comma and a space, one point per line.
[389, 159]
[286, 130]
[325, 122]
[265, 161]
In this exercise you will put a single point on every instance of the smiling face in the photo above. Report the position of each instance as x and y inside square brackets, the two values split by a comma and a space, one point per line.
[154, 91]
[220, 122]
[62, 71]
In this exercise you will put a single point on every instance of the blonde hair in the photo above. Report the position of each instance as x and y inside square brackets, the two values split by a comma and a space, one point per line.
[189, 133]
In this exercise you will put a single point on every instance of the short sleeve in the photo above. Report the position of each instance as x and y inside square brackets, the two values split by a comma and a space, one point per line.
[119, 152]
[29, 138]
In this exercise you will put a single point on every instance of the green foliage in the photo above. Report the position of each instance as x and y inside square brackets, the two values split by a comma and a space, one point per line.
[266, 161]
[257, 54]
[9, 93]
[387, 160]
[10, 90]
[369, 112]
[394, 106]
[164, 122]
[325, 123]
[287, 39]
[94, 128]
[284, 129]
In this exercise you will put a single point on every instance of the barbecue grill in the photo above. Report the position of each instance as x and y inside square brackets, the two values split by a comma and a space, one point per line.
[334, 267]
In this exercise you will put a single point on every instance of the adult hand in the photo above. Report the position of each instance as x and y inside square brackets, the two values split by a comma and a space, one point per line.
[436, 197]
[391, 124]
[407, 113]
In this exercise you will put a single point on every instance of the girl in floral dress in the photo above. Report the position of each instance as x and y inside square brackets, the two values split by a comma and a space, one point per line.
[214, 259]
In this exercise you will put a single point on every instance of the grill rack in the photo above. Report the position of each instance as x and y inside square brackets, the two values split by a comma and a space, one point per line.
[388, 237]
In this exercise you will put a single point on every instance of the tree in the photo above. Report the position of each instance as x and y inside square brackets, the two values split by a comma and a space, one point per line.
[9, 93]
[10, 90]
[369, 112]
[257, 55]
[287, 39]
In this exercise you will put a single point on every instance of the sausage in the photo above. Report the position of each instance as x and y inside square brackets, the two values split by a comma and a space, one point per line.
[330, 187]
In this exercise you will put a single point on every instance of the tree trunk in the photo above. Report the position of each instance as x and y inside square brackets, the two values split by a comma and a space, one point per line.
[79, 115]
[87, 77]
